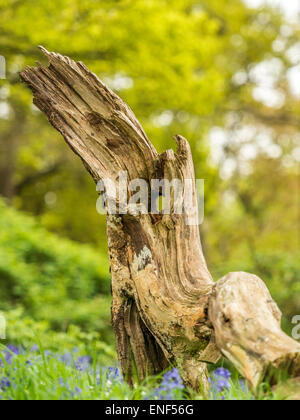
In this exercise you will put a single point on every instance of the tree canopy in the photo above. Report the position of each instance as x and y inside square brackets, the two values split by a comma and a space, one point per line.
[218, 73]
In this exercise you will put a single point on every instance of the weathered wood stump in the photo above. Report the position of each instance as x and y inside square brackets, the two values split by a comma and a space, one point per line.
[166, 307]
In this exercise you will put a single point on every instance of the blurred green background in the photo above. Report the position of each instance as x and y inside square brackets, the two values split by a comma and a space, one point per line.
[225, 74]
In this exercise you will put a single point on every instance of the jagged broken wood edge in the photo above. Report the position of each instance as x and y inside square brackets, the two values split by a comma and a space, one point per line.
[104, 132]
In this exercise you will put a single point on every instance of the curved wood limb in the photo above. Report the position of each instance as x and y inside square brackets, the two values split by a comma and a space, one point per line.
[166, 307]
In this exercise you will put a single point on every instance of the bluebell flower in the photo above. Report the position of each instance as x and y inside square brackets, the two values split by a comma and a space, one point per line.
[9, 355]
[66, 358]
[34, 348]
[14, 349]
[84, 359]
[4, 383]
[225, 373]
[173, 379]
[8, 358]
[222, 385]
[114, 374]
[219, 383]
[243, 385]
[76, 392]
[83, 363]
[171, 382]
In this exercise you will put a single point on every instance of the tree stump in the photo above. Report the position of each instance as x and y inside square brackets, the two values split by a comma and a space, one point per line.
[166, 307]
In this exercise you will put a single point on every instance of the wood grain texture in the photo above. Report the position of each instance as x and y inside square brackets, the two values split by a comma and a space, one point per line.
[247, 321]
[166, 307]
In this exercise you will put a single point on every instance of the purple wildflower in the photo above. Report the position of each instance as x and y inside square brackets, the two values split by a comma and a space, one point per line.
[4, 383]
[34, 348]
[243, 385]
[83, 363]
[66, 358]
[171, 382]
[222, 385]
[219, 383]
[10, 354]
[113, 374]
[13, 349]
[224, 373]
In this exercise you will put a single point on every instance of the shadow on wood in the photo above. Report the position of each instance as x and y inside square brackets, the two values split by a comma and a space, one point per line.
[166, 307]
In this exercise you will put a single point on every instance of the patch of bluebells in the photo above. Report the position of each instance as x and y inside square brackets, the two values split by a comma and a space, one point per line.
[110, 375]
[9, 355]
[171, 385]
[113, 374]
[107, 378]
[170, 388]
[4, 383]
[83, 363]
[74, 393]
[219, 383]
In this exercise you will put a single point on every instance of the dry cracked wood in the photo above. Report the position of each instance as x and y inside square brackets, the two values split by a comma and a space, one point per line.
[246, 321]
[166, 307]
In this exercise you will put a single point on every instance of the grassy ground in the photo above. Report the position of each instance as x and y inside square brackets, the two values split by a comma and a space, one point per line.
[37, 374]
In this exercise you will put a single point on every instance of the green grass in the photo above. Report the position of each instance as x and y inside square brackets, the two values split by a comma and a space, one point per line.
[36, 374]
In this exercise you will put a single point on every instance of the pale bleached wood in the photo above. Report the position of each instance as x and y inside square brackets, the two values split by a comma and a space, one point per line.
[166, 307]
[247, 321]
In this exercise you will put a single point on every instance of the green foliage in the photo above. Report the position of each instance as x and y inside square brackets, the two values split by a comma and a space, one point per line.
[184, 66]
[282, 273]
[255, 230]
[48, 377]
[25, 333]
[39, 374]
[173, 61]
[53, 279]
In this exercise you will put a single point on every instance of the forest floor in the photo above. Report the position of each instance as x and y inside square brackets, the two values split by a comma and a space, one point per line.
[38, 374]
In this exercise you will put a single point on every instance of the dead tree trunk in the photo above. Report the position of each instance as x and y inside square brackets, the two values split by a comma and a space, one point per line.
[166, 307]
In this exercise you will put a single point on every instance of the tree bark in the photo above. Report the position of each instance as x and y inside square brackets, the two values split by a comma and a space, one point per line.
[166, 307]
